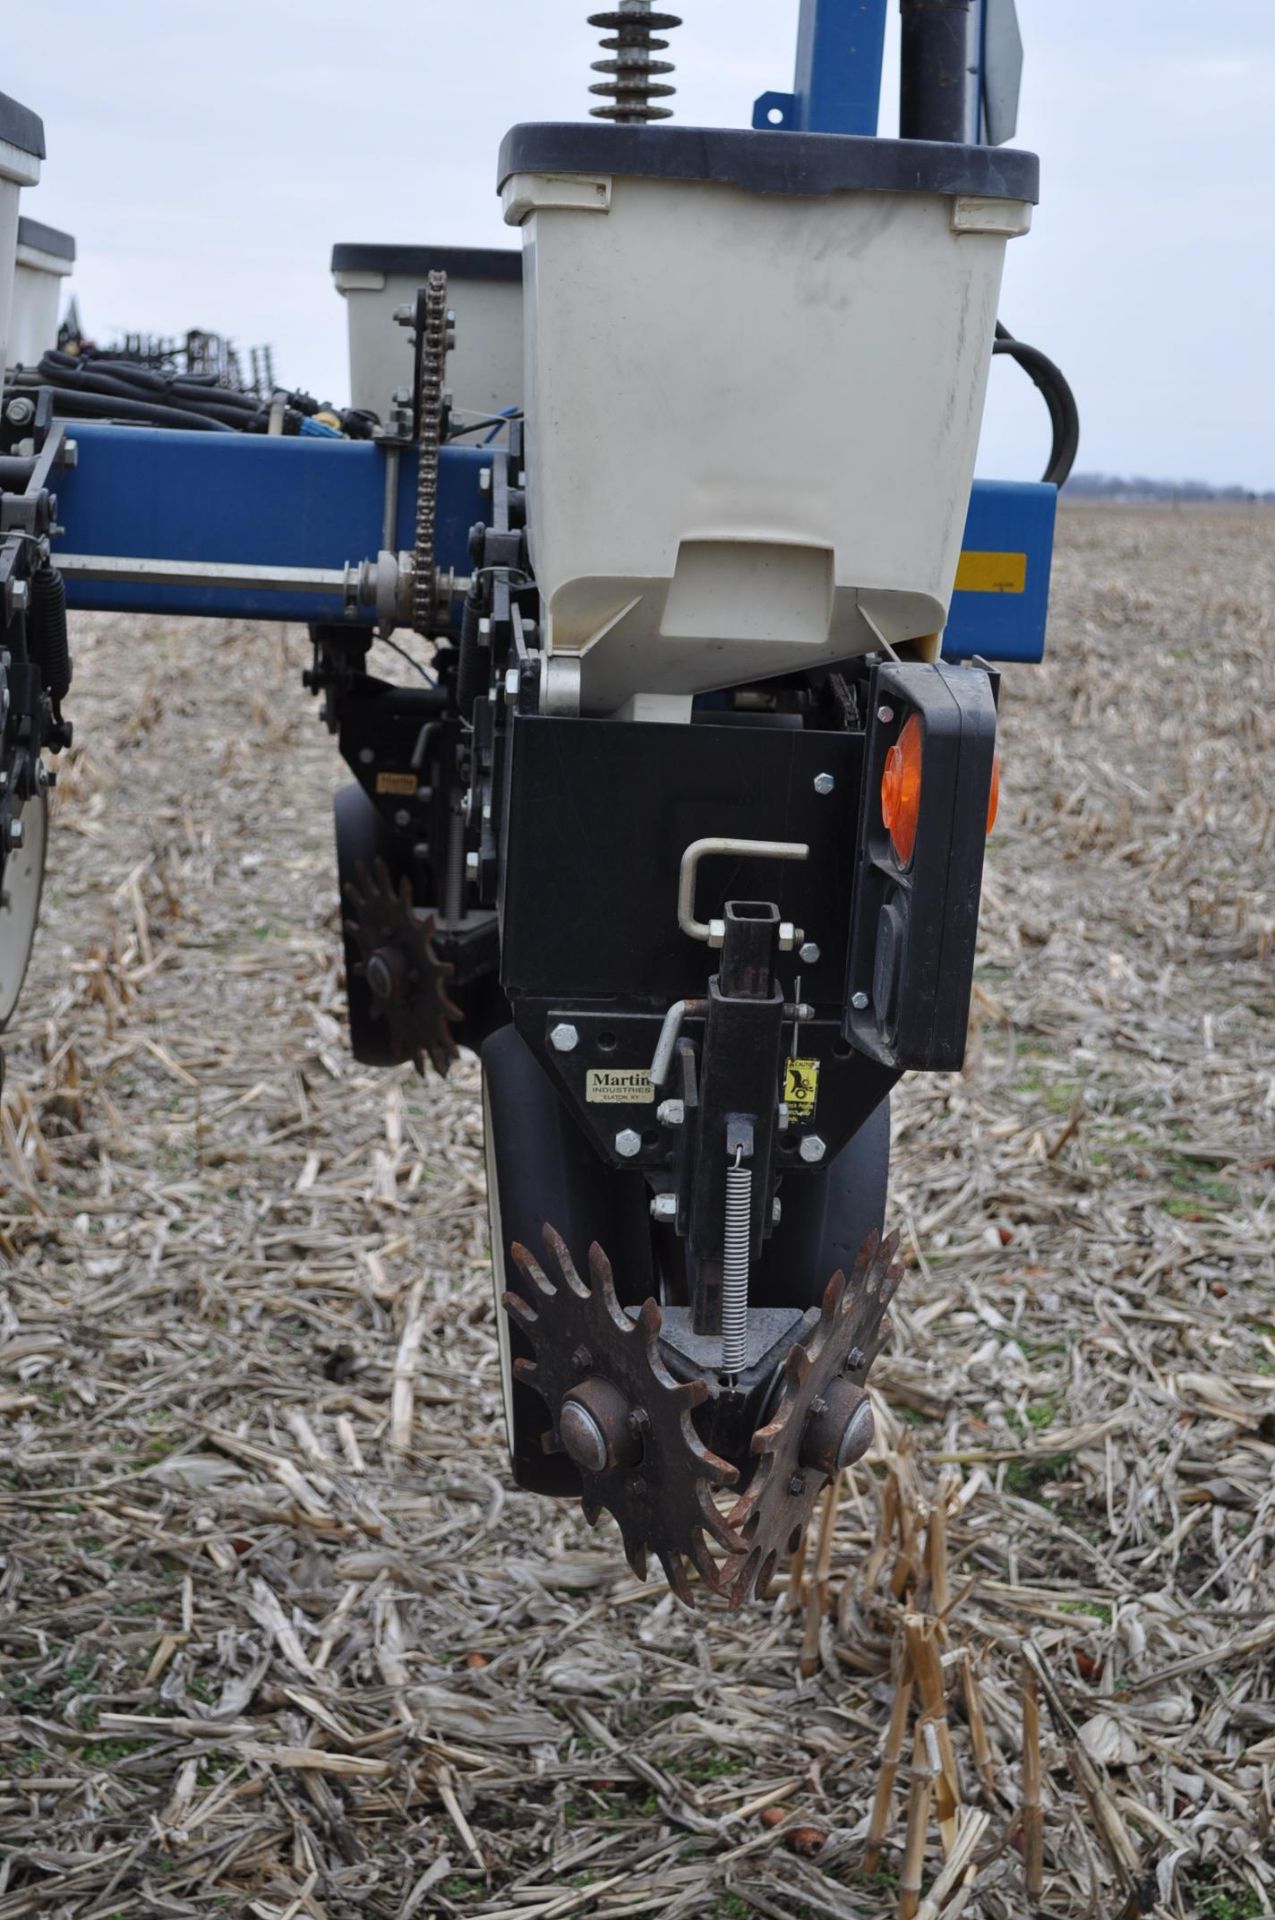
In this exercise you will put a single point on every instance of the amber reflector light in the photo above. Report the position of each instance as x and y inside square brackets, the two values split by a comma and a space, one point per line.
[994, 797]
[901, 790]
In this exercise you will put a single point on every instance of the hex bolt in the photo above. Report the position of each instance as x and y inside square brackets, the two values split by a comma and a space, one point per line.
[824, 782]
[859, 1002]
[784, 1117]
[628, 1144]
[885, 715]
[21, 594]
[671, 1113]
[776, 1210]
[664, 1208]
[406, 314]
[564, 1037]
[18, 412]
[511, 683]
[17, 834]
[471, 865]
[809, 953]
[366, 756]
[812, 1149]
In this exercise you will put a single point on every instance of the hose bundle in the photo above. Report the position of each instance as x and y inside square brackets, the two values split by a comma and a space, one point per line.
[92, 386]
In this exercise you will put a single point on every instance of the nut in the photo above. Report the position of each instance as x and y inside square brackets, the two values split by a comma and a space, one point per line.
[664, 1207]
[671, 1113]
[812, 1149]
[789, 936]
[564, 1037]
[628, 1144]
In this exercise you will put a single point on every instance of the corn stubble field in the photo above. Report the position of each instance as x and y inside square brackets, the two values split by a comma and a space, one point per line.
[276, 1636]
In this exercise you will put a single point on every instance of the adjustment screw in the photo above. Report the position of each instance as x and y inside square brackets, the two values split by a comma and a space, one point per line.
[664, 1207]
[812, 1149]
[628, 1144]
[564, 1037]
[671, 1113]
[824, 783]
[859, 1001]
[809, 953]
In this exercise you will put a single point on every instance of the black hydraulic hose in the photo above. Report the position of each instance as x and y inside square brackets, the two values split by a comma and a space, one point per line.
[95, 378]
[1064, 415]
[70, 404]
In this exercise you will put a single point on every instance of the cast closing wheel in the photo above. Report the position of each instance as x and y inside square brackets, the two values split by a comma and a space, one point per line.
[20, 888]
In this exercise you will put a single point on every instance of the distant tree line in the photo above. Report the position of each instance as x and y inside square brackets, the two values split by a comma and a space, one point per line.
[1112, 486]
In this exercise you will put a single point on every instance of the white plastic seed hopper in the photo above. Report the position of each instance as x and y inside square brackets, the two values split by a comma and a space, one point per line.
[756, 366]
[21, 151]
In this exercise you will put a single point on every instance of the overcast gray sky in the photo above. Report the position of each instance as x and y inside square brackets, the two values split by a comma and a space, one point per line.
[206, 157]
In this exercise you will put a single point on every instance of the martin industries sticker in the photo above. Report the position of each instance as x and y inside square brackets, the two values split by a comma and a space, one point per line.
[619, 1087]
[401, 783]
[801, 1088]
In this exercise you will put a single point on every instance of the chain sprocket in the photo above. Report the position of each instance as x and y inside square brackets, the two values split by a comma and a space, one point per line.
[821, 1395]
[406, 980]
[600, 1369]
[432, 361]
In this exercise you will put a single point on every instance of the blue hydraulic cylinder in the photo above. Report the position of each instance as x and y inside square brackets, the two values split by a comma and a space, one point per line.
[246, 500]
[837, 83]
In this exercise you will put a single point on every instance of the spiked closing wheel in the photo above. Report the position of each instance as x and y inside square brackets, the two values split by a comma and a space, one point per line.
[406, 981]
[622, 1417]
[821, 1422]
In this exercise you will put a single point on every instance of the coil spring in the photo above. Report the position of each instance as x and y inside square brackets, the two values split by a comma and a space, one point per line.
[736, 1247]
[633, 84]
[46, 631]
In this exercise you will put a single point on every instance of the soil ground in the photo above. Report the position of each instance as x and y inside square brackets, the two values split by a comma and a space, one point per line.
[276, 1635]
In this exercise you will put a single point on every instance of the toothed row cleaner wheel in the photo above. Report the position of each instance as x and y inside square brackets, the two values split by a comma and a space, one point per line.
[628, 1425]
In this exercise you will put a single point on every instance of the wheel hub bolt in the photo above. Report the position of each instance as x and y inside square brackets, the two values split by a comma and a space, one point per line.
[385, 972]
[840, 1430]
[596, 1427]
